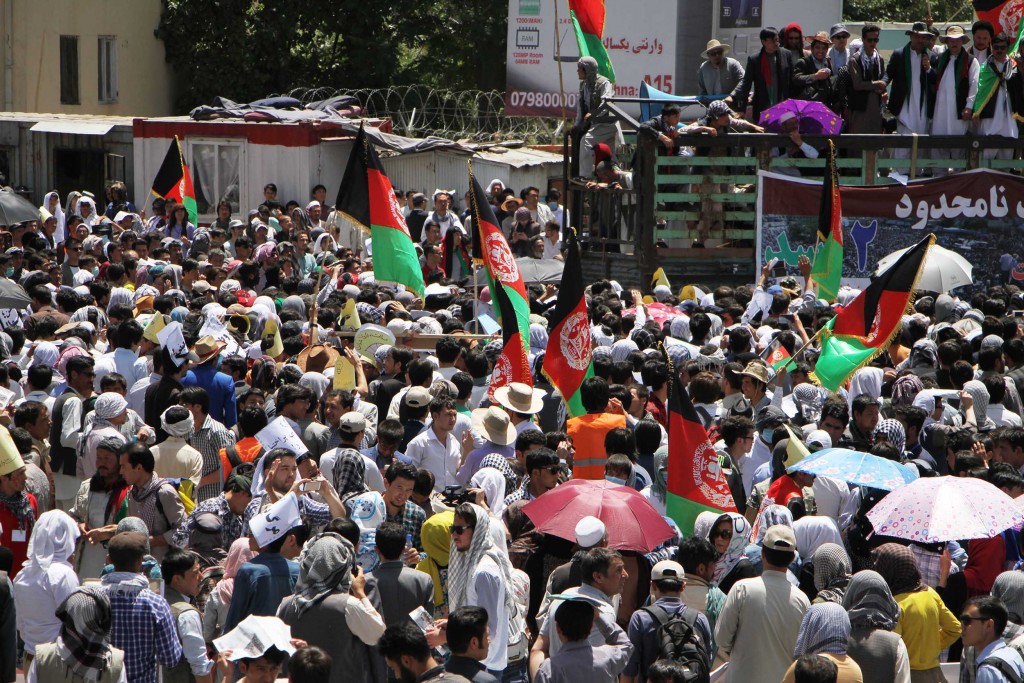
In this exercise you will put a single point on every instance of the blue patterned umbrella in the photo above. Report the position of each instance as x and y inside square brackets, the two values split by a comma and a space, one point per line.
[855, 467]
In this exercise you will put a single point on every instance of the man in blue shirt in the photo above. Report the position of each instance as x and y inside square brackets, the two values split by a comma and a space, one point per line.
[263, 582]
[220, 386]
[984, 619]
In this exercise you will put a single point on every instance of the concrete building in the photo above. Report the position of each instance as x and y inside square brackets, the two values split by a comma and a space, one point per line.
[72, 57]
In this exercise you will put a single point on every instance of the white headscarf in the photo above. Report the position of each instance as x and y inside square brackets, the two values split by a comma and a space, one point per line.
[866, 381]
[93, 217]
[493, 483]
[53, 540]
[61, 234]
[813, 531]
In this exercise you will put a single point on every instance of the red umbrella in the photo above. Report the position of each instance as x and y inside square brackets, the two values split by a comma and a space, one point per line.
[632, 523]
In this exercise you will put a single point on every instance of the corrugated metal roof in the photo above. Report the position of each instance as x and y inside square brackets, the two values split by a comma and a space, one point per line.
[519, 157]
[29, 117]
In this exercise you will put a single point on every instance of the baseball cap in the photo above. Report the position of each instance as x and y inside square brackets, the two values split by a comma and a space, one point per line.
[200, 287]
[352, 422]
[667, 569]
[779, 537]
[589, 532]
[417, 397]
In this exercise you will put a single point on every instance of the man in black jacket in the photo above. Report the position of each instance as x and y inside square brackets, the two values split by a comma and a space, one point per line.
[417, 216]
[813, 76]
[912, 80]
[769, 73]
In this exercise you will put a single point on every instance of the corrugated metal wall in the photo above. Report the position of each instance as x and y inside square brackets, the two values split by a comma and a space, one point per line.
[447, 170]
[32, 154]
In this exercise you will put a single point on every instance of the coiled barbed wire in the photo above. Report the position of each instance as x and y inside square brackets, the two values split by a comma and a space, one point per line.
[419, 111]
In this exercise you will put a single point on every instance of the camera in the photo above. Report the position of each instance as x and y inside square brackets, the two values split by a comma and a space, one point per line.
[456, 495]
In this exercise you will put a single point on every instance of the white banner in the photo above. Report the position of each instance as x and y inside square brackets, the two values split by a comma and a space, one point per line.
[641, 44]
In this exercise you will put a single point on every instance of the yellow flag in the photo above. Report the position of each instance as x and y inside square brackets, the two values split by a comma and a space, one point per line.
[796, 450]
[344, 374]
[349, 318]
[272, 334]
[10, 458]
[153, 327]
[660, 279]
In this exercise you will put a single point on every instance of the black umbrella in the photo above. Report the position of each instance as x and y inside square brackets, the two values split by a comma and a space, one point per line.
[542, 271]
[16, 209]
[13, 295]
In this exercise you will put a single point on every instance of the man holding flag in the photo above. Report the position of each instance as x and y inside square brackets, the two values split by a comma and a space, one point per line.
[1000, 100]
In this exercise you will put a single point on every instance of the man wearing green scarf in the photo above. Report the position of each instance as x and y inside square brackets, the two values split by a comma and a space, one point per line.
[958, 84]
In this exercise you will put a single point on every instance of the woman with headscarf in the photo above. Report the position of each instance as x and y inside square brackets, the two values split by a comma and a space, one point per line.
[476, 568]
[832, 571]
[730, 536]
[825, 631]
[658, 490]
[593, 121]
[51, 204]
[979, 393]
[454, 255]
[813, 532]
[87, 210]
[436, 536]
[330, 609]
[492, 482]
[220, 599]
[926, 624]
[892, 431]
[1009, 588]
[81, 651]
[46, 579]
[881, 654]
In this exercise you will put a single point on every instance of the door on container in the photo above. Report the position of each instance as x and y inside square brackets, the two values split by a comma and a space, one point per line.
[80, 169]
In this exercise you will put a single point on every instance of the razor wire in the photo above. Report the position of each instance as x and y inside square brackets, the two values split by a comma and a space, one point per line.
[420, 111]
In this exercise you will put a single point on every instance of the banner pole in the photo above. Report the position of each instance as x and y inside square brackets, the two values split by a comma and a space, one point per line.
[558, 62]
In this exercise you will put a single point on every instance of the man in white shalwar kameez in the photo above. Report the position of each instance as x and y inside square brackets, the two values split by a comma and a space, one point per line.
[913, 116]
[958, 85]
[1001, 121]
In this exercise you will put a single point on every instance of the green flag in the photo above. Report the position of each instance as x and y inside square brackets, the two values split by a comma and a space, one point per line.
[989, 80]
[588, 23]
[827, 270]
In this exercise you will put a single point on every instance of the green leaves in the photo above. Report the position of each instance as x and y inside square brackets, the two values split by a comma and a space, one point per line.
[249, 49]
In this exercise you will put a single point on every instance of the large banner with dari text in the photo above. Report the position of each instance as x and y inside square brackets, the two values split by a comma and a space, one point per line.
[978, 214]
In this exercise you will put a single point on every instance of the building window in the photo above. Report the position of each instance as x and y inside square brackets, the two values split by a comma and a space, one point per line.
[107, 62]
[69, 70]
[216, 174]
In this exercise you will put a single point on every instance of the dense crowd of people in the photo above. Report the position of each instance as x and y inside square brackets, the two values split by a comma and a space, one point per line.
[193, 442]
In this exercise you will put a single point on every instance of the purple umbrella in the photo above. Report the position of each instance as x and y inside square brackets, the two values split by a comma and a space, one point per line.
[814, 117]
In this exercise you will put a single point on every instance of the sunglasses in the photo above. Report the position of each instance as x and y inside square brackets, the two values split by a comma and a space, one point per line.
[966, 619]
[871, 40]
[458, 530]
[725, 534]
[555, 469]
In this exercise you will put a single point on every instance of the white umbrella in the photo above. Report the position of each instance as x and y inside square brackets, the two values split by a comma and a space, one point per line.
[943, 269]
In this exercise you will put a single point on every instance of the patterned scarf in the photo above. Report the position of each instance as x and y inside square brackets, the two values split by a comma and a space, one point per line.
[832, 570]
[898, 567]
[462, 564]
[869, 601]
[325, 567]
[148, 496]
[84, 640]
[737, 545]
[19, 506]
[825, 629]
[769, 76]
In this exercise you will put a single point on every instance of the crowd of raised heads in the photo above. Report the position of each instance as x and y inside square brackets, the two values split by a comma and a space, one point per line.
[208, 474]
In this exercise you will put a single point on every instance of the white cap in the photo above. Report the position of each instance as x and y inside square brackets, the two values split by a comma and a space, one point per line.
[590, 531]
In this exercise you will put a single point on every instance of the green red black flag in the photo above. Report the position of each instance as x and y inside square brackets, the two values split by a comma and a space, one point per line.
[696, 482]
[568, 359]
[508, 292]
[173, 181]
[367, 198]
[827, 270]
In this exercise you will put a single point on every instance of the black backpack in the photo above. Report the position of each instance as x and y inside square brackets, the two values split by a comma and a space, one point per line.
[679, 641]
[1002, 667]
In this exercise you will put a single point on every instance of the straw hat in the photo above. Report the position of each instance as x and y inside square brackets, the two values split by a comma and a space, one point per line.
[955, 33]
[819, 37]
[317, 358]
[494, 424]
[714, 45]
[511, 204]
[520, 398]
[207, 347]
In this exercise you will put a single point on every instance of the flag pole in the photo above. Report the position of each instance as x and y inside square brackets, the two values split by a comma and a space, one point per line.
[558, 62]
[806, 344]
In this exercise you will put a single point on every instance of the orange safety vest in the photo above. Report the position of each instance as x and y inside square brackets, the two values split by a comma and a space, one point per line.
[588, 432]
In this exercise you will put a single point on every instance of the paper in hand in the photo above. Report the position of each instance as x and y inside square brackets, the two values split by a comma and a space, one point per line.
[255, 635]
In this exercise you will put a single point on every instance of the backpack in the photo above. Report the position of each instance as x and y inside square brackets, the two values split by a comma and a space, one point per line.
[1003, 667]
[186, 494]
[679, 641]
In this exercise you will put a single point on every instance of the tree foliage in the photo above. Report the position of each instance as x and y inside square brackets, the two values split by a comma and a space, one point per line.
[878, 11]
[248, 49]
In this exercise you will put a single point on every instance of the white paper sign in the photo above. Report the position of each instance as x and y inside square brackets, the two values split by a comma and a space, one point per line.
[9, 317]
[172, 339]
[216, 327]
[255, 635]
[279, 434]
[275, 521]
[369, 337]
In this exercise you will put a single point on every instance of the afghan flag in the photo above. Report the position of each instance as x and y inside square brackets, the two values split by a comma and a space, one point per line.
[865, 327]
[588, 23]
[568, 360]
[367, 198]
[173, 181]
[988, 80]
[508, 293]
[827, 270]
[695, 479]
[778, 356]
